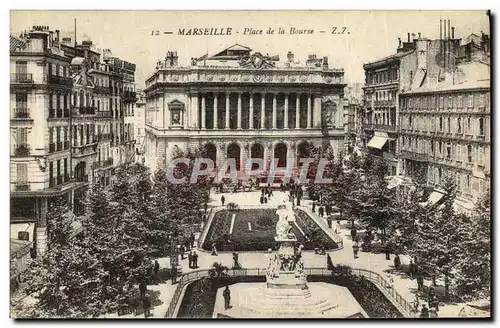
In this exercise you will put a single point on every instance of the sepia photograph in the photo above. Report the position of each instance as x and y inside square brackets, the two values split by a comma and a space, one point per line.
[250, 164]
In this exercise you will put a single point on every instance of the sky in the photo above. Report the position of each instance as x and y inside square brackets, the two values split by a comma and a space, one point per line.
[372, 34]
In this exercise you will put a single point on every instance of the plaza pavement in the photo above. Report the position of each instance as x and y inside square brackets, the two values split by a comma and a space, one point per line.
[370, 261]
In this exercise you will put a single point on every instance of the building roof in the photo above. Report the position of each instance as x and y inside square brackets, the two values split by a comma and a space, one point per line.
[19, 246]
[471, 75]
[388, 58]
[16, 43]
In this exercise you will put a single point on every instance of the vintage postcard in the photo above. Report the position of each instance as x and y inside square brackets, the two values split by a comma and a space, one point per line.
[250, 164]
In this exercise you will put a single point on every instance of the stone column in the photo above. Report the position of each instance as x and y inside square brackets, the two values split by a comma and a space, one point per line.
[297, 111]
[216, 100]
[239, 111]
[317, 111]
[263, 112]
[309, 111]
[203, 112]
[285, 124]
[227, 110]
[275, 117]
[250, 126]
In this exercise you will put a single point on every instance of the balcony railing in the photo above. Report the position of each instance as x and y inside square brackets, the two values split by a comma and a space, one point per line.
[415, 156]
[61, 80]
[23, 78]
[129, 96]
[83, 178]
[103, 113]
[21, 113]
[22, 186]
[381, 127]
[22, 150]
[86, 110]
[103, 90]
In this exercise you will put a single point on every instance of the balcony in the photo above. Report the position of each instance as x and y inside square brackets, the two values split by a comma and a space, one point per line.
[129, 96]
[102, 90]
[21, 113]
[83, 178]
[103, 113]
[21, 78]
[22, 186]
[84, 110]
[22, 151]
[379, 127]
[415, 156]
[60, 80]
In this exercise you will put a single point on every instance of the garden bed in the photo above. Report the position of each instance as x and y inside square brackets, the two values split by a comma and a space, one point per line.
[262, 233]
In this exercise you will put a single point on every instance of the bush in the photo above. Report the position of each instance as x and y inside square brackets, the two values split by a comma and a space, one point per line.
[232, 206]
[264, 223]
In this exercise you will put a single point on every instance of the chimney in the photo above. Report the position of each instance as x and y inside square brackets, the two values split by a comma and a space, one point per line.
[449, 26]
[290, 57]
[440, 29]
[453, 32]
[325, 62]
[408, 36]
[399, 44]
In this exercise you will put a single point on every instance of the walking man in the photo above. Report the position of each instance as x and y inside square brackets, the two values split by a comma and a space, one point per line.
[214, 250]
[420, 280]
[314, 207]
[321, 211]
[355, 249]
[146, 303]
[195, 260]
[262, 199]
[142, 289]
[191, 238]
[222, 200]
[425, 312]
[156, 268]
[353, 233]
[205, 207]
[190, 258]
[227, 297]
[411, 268]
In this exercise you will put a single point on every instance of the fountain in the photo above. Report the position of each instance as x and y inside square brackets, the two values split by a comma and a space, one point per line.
[286, 293]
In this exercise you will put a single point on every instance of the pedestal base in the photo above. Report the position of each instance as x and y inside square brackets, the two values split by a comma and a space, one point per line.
[320, 300]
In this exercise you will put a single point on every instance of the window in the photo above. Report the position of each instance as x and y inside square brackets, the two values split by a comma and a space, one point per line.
[459, 153]
[481, 101]
[481, 126]
[410, 122]
[23, 235]
[458, 182]
[450, 102]
[470, 101]
[480, 156]
[441, 124]
[459, 101]
[441, 102]
[448, 123]
[459, 125]
[409, 103]
[448, 151]
[66, 177]
[467, 125]
[469, 154]
[22, 172]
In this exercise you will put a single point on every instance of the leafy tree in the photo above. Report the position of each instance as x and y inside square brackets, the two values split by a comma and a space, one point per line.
[474, 276]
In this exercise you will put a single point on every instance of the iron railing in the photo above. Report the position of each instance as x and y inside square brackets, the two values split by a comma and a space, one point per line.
[403, 306]
[22, 112]
[21, 78]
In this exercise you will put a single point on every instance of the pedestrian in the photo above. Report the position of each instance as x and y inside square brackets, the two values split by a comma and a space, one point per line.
[411, 268]
[355, 248]
[190, 258]
[314, 207]
[261, 199]
[192, 239]
[298, 201]
[282, 187]
[415, 306]
[174, 274]
[205, 207]
[328, 209]
[183, 250]
[222, 200]
[353, 233]
[424, 312]
[433, 313]
[142, 289]
[227, 297]
[329, 263]
[263, 191]
[236, 264]
[265, 200]
[156, 268]
[214, 250]
[420, 280]
[321, 211]
[397, 262]
[270, 192]
[146, 303]
[329, 220]
[195, 260]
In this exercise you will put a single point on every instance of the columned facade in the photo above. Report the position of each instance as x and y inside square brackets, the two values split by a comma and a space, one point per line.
[244, 111]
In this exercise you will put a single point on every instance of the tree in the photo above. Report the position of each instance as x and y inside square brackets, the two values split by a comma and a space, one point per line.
[474, 276]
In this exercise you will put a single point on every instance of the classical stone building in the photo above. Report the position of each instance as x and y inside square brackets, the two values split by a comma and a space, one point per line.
[241, 104]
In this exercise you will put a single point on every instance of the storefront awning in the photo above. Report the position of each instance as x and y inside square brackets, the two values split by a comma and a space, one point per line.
[377, 142]
[434, 197]
[15, 228]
